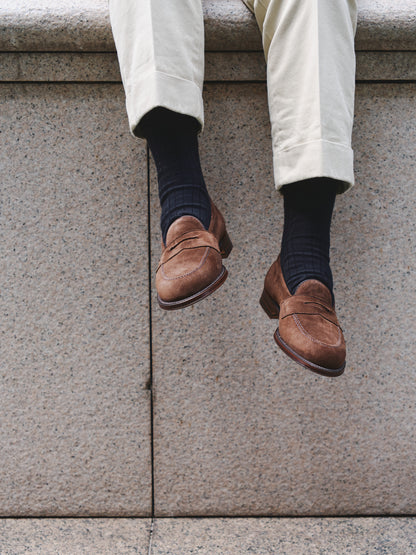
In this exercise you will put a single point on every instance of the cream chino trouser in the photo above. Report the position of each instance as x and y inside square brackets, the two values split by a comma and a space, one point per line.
[309, 50]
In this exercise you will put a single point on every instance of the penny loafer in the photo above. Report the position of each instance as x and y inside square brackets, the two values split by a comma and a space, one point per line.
[308, 331]
[191, 266]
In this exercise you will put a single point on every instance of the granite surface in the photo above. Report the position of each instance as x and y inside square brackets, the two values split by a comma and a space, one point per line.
[386, 25]
[84, 25]
[215, 536]
[386, 66]
[219, 66]
[284, 536]
[95, 536]
[63, 25]
[230, 25]
[59, 66]
[239, 429]
[74, 351]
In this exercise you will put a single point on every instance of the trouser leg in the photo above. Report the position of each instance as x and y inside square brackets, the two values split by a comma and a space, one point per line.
[160, 46]
[309, 49]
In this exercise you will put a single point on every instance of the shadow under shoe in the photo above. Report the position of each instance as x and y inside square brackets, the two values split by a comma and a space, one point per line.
[308, 330]
[191, 266]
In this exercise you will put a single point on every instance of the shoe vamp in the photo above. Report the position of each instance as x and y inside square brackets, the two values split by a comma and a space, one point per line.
[200, 260]
[317, 329]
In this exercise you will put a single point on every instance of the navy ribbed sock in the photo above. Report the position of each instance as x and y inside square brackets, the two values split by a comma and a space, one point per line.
[173, 142]
[308, 207]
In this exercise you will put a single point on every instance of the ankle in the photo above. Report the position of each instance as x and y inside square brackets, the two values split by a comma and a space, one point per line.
[308, 207]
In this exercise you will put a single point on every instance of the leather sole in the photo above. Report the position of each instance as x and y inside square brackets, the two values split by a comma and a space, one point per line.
[183, 303]
[307, 363]
[272, 309]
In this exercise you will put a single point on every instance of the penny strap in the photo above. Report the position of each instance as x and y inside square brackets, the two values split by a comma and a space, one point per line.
[302, 304]
[194, 239]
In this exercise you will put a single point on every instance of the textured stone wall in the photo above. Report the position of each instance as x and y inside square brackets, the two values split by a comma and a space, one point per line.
[110, 407]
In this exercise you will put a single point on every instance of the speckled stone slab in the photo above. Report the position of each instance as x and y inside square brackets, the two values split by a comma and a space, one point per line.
[59, 66]
[74, 350]
[95, 536]
[240, 429]
[285, 536]
[84, 25]
[386, 25]
[234, 536]
[219, 66]
[103, 66]
[62, 26]
[385, 66]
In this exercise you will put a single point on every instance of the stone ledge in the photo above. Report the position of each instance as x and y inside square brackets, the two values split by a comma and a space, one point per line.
[219, 66]
[69, 536]
[286, 536]
[84, 26]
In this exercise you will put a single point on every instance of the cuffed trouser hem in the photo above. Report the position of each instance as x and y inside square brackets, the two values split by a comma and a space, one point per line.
[314, 159]
[159, 89]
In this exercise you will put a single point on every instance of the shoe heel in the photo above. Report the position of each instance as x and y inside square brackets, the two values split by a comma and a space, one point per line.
[270, 307]
[225, 245]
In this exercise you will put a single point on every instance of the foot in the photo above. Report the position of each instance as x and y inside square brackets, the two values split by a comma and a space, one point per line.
[308, 330]
[191, 266]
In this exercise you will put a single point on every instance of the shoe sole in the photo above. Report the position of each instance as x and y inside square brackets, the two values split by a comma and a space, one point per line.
[307, 363]
[183, 303]
[272, 309]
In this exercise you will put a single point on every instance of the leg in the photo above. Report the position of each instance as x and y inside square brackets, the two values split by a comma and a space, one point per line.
[309, 48]
[160, 46]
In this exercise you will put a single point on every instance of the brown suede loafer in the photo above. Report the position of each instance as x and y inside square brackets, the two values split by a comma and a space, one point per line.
[191, 266]
[308, 330]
